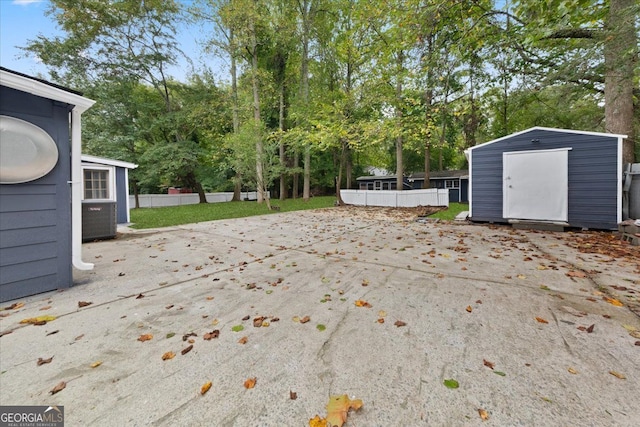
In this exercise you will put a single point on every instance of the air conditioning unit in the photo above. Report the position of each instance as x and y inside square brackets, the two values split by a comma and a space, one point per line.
[98, 221]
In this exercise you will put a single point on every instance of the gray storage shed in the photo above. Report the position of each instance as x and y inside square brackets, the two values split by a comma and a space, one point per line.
[40, 185]
[565, 177]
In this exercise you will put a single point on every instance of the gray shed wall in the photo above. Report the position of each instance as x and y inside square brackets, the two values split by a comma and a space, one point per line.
[593, 176]
[35, 217]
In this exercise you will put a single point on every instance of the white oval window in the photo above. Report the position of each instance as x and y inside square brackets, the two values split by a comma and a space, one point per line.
[27, 152]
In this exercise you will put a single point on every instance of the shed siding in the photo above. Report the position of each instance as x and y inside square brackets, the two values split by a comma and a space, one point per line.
[121, 196]
[35, 217]
[593, 180]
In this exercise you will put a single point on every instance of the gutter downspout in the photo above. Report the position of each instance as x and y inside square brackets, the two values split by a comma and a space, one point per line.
[76, 192]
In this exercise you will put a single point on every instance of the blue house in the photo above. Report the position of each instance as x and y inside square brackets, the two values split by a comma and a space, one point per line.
[544, 175]
[40, 185]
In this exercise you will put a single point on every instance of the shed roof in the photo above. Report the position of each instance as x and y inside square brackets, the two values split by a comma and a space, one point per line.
[581, 132]
[45, 89]
[108, 162]
[448, 174]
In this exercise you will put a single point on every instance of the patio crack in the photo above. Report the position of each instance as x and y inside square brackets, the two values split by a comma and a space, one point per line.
[324, 354]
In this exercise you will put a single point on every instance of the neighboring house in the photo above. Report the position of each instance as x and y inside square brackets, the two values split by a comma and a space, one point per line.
[40, 185]
[456, 181]
[565, 177]
[107, 180]
[383, 182]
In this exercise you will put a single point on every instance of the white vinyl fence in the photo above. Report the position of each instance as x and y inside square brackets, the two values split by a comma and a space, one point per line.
[161, 200]
[405, 199]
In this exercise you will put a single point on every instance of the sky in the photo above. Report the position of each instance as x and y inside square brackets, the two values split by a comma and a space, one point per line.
[23, 20]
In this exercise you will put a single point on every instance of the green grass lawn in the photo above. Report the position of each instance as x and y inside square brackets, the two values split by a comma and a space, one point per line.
[450, 213]
[187, 214]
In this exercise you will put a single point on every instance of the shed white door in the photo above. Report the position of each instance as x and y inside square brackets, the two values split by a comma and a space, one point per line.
[536, 185]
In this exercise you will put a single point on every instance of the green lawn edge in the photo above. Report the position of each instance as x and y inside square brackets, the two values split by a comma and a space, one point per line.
[143, 218]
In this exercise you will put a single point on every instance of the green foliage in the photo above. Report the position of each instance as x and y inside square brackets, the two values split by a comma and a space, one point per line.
[451, 212]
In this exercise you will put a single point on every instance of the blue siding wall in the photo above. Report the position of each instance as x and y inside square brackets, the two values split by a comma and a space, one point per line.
[593, 179]
[35, 217]
[121, 196]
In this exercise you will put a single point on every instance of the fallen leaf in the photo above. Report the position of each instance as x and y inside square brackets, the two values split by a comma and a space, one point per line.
[247, 317]
[305, 319]
[590, 329]
[618, 375]
[257, 321]
[61, 386]
[14, 306]
[186, 350]
[400, 323]
[541, 320]
[488, 364]
[613, 301]
[237, 328]
[483, 414]
[40, 320]
[168, 355]
[469, 309]
[293, 395]
[362, 303]
[205, 388]
[145, 337]
[451, 383]
[381, 320]
[250, 382]
[53, 332]
[212, 335]
[45, 308]
[210, 298]
[502, 374]
[572, 371]
[243, 340]
[320, 327]
[79, 337]
[521, 276]
[42, 361]
[318, 422]
[96, 364]
[338, 409]
[576, 274]
[171, 334]
[84, 303]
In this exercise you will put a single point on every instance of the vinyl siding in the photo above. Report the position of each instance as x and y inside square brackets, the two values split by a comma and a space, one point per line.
[35, 217]
[593, 176]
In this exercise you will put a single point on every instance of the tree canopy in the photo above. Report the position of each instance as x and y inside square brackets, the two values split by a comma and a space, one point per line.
[320, 90]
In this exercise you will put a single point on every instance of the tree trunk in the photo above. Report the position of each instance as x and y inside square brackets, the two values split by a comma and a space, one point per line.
[428, 100]
[136, 194]
[237, 184]
[295, 190]
[283, 176]
[260, 190]
[399, 139]
[338, 180]
[306, 12]
[620, 56]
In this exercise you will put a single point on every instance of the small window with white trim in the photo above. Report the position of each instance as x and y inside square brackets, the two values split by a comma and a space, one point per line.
[97, 184]
[451, 183]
